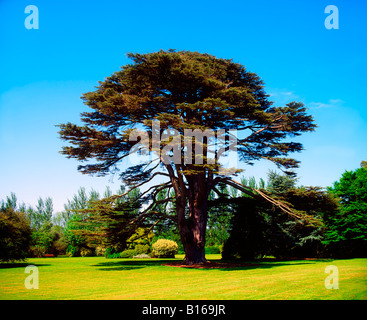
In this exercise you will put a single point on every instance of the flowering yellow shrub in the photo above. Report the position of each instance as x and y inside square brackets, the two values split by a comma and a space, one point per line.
[164, 248]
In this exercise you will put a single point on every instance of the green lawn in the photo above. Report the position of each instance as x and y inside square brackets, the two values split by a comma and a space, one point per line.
[100, 278]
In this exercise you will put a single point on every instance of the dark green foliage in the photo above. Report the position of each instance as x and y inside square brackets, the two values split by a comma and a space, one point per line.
[43, 239]
[110, 252]
[140, 240]
[81, 200]
[92, 222]
[140, 248]
[73, 251]
[87, 252]
[297, 238]
[9, 203]
[139, 243]
[115, 216]
[219, 218]
[129, 253]
[278, 183]
[215, 249]
[259, 229]
[248, 235]
[15, 235]
[76, 240]
[61, 241]
[346, 231]
[41, 214]
[46, 237]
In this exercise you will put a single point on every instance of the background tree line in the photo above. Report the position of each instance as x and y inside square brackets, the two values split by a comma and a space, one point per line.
[239, 226]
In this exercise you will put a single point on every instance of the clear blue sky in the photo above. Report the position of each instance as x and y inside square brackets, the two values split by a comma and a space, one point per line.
[44, 72]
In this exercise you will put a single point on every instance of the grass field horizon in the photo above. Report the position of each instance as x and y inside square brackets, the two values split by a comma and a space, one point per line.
[90, 278]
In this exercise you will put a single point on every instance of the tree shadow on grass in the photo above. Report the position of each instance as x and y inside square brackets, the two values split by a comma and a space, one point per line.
[129, 264]
[236, 265]
[11, 265]
[223, 265]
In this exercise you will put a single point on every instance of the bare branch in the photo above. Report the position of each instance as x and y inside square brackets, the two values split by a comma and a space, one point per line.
[117, 196]
[148, 212]
[249, 191]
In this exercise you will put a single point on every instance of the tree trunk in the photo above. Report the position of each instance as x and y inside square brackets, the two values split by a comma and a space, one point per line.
[192, 232]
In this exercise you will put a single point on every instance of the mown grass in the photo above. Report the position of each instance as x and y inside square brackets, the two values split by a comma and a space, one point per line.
[100, 278]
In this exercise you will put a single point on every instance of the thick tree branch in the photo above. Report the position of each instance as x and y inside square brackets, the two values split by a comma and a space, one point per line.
[250, 191]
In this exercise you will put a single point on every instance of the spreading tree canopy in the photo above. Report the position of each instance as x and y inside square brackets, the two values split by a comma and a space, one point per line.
[189, 111]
